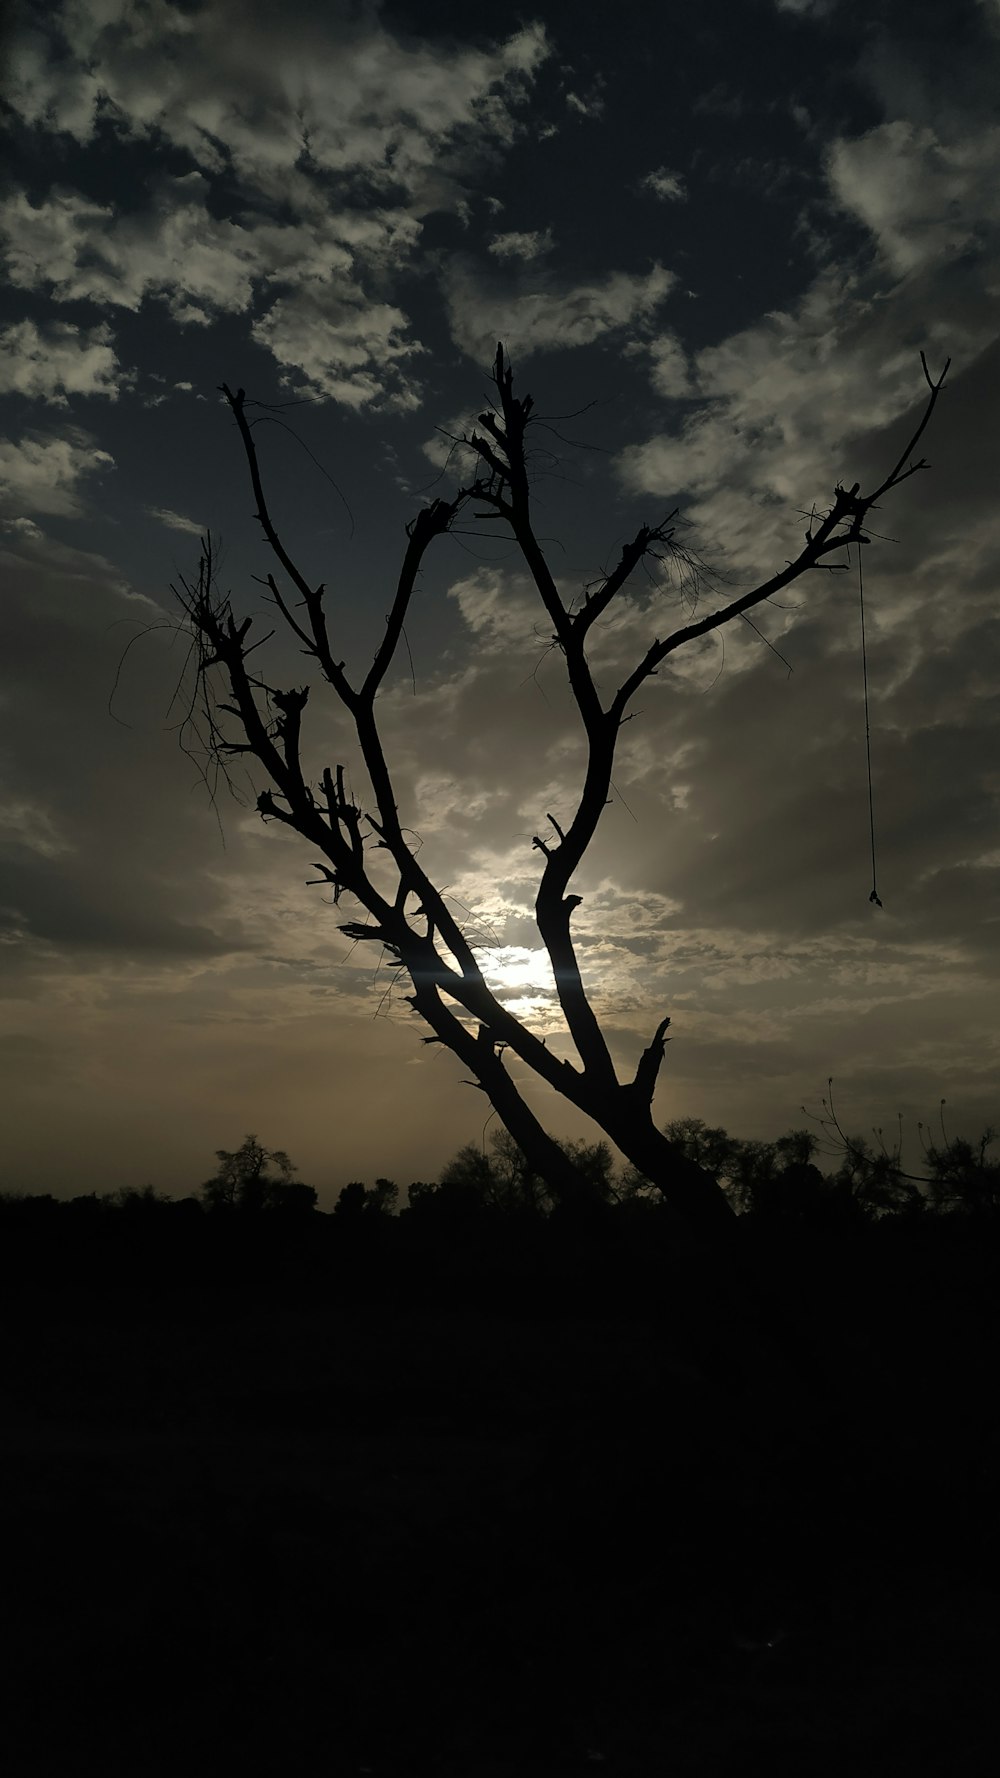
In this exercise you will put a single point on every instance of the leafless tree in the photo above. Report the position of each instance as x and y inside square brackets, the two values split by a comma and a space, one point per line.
[411, 918]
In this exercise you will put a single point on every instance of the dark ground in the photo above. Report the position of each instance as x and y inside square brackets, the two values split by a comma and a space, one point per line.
[382, 1514]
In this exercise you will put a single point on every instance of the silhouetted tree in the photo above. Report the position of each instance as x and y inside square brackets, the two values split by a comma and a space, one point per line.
[456, 1201]
[356, 1199]
[404, 912]
[244, 1180]
[501, 1179]
[963, 1180]
[292, 1197]
[778, 1182]
[710, 1149]
[136, 1200]
[596, 1163]
[870, 1176]
[773, 1181]
[752, 1170]
[875, 1177]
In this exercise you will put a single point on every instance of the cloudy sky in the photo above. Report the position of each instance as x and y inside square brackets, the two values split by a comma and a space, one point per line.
[714, 240]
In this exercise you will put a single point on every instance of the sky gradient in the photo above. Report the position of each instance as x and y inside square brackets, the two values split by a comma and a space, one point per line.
[714, 241]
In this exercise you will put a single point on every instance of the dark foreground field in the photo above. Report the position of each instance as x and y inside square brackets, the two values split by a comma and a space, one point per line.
[522, 1512]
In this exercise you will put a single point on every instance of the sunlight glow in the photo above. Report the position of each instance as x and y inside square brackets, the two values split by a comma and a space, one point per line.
[521, 978]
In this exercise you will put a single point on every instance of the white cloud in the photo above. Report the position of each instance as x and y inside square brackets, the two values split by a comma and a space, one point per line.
[57, 360]
[352, 134]
[441, 448]
[664, 184]
[323, 324]
[261, 91]
[20, 528]
[587, 104]
[397, 112]
[923, 199]
[79, 250]
[175, 521]
[545, 315]
[43, 242]
[528, 245]
[670, 369]
[49, 91]
[342, 347]
[501, 610]
[784, 403]
[44, 472]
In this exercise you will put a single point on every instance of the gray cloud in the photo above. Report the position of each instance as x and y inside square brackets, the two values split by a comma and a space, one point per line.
[529, 244]
[45, 472]
[663, 184]
[176, 521]
[55, 361]
[921, 198]
[350, 135]
[538, 313]
[101, 834]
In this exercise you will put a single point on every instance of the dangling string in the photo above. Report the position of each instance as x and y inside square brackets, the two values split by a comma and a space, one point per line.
[874, 896]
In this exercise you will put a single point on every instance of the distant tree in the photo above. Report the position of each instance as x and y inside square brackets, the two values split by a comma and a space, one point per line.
[356, 1200]
[596, 1163]
[350, 1201]
[501, 1179]
[774, 1182]
[751, 1173]
[870, 1175]
[136, 1199]
[34, 1208]
[875, 1177]
[959, 1178]
[710, 1149]
[632, 1187]
[796, 1148]
[384, 1198]
[293, 1197]
[777, 1182]
[88, 1206]
[444, 1203]
[964, 1181]
[244, 1180]
[469, 1172]
[367, 848]
[417, 1189]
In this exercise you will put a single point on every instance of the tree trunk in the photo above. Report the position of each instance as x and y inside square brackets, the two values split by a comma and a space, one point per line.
[687, 1188]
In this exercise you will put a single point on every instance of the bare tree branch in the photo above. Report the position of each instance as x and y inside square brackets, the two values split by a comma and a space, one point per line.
[412, 921]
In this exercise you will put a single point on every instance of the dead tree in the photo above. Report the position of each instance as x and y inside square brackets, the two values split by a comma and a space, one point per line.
[413, 920]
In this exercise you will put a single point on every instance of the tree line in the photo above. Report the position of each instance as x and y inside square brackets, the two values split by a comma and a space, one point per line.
[771, 1182]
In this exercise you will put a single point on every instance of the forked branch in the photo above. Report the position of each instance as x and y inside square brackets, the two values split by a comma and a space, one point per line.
[412, 920]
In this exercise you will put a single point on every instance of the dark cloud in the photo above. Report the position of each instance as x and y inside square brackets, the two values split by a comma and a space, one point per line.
[103, 846]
